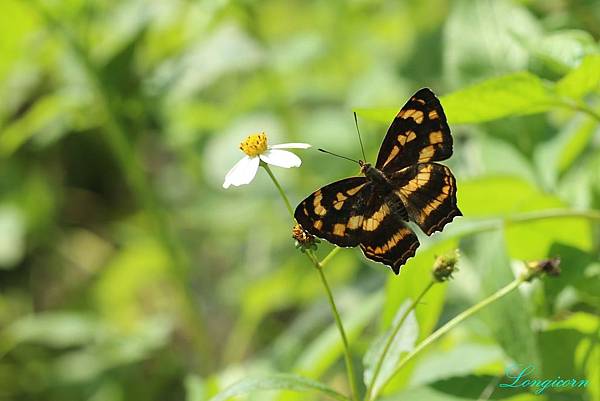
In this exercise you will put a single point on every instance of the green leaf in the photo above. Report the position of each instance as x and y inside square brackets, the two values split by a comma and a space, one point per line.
[56, 329]
[581, 272]
[559, 360]
[509, 195]
[17, 23]
[450, 391]
[515, 94]
[12, 236]
[505, 196]
[592, 371]
[482, 38]
[403, 341]
[460, 359]
[577, 144]
[556, 155]
[581, 321]
[194, 388]
[561, 51]
[277, 382]
[498, 156]
[471, 387]
[423, 393]
[510, 95]
[582, 80]
[48, 119]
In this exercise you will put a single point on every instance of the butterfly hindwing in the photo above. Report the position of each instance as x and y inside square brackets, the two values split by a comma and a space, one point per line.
[386, 238]
[418, 134]
[428, 192]
[349, 213]
[335, 212]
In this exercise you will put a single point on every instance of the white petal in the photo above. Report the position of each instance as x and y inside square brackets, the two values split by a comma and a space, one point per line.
[291, 146]
[242, 173]
[281, 158]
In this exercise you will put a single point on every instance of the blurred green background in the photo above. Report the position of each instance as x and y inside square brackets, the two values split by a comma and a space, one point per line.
[128, 273]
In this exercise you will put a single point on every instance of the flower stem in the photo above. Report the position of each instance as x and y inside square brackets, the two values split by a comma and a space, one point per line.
[453, 323]
[318, 266]
[494, 223]
[391, 338]
[551, 214]
[582, 107]
[281, 192]
[329, 256]
[340, 326]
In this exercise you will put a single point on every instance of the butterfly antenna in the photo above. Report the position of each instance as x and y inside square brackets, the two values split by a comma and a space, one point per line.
[359, 138]
[333, 154]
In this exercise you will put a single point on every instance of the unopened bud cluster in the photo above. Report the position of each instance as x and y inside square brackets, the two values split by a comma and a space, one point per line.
[538, 268]
[304, 240]
[444, 266]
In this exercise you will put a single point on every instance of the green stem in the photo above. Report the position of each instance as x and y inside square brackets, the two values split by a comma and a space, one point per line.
[116, 135]
[318, 265]
[391, 338]
[551, 214]
[453, 323]
[281, 192]
[340, 326]
[488, 224]
[329, 256]
[582, 107]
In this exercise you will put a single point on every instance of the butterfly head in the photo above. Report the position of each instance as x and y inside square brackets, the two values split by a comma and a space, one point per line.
[364, 166]
[373, 174]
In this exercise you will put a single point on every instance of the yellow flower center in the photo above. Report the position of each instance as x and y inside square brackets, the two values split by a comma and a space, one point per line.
[254, 145]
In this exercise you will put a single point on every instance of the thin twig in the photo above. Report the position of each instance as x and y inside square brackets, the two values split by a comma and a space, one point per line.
[281, 192]
[391, 338]
[451, 324]
[318, 266]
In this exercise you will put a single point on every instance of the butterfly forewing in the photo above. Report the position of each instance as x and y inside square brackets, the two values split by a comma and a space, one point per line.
[418, 134]
[336, 211]
[428, 192]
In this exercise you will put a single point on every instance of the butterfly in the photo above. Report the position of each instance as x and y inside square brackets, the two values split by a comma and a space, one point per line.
[371, 211]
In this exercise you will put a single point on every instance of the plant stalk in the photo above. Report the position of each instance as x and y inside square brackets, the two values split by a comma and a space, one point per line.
[391, 338]
[318, 266]
[340, 326]
[288, 205]
[451, 324]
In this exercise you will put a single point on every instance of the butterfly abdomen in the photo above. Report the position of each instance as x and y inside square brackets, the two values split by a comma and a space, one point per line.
[397, 208]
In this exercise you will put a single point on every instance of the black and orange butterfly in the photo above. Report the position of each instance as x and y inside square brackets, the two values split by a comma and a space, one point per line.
[405, 184]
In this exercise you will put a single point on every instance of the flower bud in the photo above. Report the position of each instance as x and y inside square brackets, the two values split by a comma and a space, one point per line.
[537, 268]
[304, 240]
[444, 266]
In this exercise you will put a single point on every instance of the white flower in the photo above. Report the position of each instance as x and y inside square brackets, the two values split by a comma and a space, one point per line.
[256, 149]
